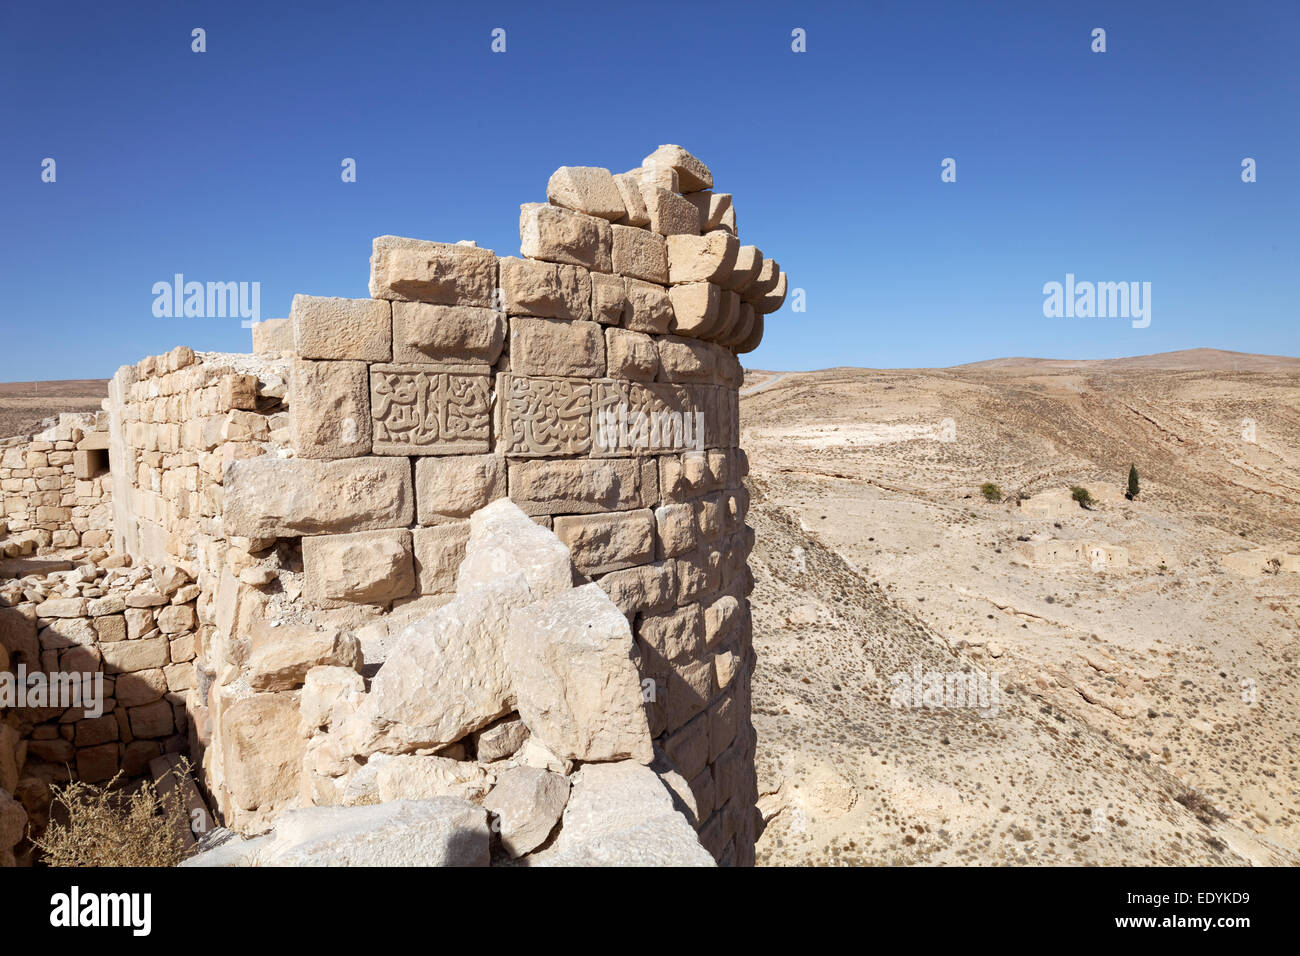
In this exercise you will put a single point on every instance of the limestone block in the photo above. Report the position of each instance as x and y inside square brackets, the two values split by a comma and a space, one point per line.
[675, 529]
[503, 541]
[716, 211]
[123, 657]
[364, 567]
[342, 329]
[527, 803]
[692, 175]
[329, 406]
[150, 721]
[631, 355]
[587, 189]
[430, 410]
[741, 328]
[282, 656]
[556, 347]
[500, 740]
[772, 299]
[767, 278]
[273, 335]
[687, 360]
[582, 485]
[441, 831]
[650, 309]
[608, 298]
[749, 260]
[608, 542]
[554, 234]
[543, 416]
[754, 338]
[641, 588]
[411, 777]
[413, 270]
[261, 754]
[695, 307]
[629, 190]
[639, 254]
[675, 635]
[621, 814]
[706, 258]
[438, 553]
[570, 660]
[289, 497]
[457, 486]
[444, 334]
[670, 214]
[546, 289]
[176, 619]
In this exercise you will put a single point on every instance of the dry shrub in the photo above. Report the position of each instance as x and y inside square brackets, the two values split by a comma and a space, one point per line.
[117, 827]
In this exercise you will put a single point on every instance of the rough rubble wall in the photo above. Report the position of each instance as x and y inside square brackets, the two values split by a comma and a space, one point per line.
[592, 381]
[54, 489]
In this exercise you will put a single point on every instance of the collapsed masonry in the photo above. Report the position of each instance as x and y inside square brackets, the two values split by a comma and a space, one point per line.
[323, 495]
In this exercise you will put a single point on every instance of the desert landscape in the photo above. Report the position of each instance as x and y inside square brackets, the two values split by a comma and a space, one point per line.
[1145, 649]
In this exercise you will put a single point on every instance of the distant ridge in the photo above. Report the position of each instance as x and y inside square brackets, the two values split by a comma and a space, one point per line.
[1209, 360]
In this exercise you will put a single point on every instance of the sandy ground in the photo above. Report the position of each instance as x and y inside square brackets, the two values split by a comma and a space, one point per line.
[1145, 651]
[23, 405]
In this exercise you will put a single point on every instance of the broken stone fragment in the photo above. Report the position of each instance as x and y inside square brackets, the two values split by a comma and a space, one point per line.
[577, 688]
[588, 189]
[527, 803]
[692, 175]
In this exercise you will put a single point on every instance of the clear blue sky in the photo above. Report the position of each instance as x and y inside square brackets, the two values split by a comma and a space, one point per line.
[224, 166]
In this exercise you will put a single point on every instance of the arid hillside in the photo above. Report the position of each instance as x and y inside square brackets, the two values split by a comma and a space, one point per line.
[23, 405]
[1145, 649]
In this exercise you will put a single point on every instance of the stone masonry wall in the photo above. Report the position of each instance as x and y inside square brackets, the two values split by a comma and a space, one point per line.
[320, 497]
[54, 491]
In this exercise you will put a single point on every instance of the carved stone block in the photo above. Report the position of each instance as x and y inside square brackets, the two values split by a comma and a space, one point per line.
[427, 410]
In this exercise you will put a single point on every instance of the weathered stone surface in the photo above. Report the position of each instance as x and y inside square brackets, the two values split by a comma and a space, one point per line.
[330, 409]
[554, 234]
[365, 567]
[649, 308]
[445, 334]
[641, 588]
[13, 825]
[695, 307]
[457, 486]
[411, 777]
[631, 355]
[439, 552]
[716, 210]
[670, 214]
[608, 542]
[749, 260]
[430, 410]
[543, 416]
[751, 341]
[640, 254]
[556, 347]
[769, 274]
[589, 189]
[342, 329]
[504, 541]
[621, 814]
[608, 298]
[527, 803]
[675, 525]
[273, 335]
[445, 676]
[123, 657]
[707, 258]
[772, 299]
[501, 739]
[270, 497]
[545, 289]
[576, 684]
[673, 636]
[414, 270]
[282, 656]
[330, 693]
[629, 188]
[581, 485]
[174, 619]
[687, 360]
[692, 175]
[261, 755]
[441, 831]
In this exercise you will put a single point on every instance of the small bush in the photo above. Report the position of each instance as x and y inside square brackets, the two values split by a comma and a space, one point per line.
[991, 492]
[1081, 495]
[116, 827]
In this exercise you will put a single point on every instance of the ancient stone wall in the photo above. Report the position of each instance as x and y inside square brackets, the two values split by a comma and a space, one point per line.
[320, 494]
[54, 490]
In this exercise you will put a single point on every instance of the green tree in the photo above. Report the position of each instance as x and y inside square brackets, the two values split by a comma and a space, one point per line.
[1132, 482]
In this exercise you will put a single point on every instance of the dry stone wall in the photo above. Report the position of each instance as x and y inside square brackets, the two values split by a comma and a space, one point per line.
[54, 488]
[320, 493]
